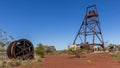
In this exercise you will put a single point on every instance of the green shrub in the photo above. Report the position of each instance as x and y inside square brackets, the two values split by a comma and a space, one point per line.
[50, 50]
[40, 51]
[64, 51]
[72, 50]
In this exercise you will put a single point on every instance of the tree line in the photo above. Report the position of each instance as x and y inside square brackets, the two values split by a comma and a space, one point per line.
[43, 50]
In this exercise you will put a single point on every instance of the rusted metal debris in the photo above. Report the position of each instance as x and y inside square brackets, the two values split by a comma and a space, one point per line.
[21, 49]
[90, 31]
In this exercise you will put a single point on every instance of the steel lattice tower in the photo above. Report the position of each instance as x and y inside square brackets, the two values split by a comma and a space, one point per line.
[90, 30]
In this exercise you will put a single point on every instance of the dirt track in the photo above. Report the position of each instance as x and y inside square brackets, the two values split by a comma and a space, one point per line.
[102, 60]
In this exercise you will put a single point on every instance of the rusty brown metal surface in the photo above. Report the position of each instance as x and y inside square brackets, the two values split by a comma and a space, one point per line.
[21, 49]
[90, 27]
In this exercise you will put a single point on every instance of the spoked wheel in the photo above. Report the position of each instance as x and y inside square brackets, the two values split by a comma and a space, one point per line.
[21, 49]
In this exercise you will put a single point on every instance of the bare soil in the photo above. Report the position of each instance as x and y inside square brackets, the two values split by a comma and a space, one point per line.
[98, 60]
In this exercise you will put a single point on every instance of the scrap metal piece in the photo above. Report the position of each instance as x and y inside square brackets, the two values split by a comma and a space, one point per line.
[22, 49]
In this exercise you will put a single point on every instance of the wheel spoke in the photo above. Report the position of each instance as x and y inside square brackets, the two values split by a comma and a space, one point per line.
[20, 47]
[19, 52]
[28, 47]
[24, 44]
[28, 44]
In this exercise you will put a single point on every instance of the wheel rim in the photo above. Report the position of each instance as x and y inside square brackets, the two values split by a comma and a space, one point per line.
[21, 49]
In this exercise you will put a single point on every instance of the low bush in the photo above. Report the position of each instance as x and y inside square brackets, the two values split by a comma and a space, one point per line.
[15, 62]
[77, 53]
[40, 51]
[40, 59]
[4, 64]
[117, 56]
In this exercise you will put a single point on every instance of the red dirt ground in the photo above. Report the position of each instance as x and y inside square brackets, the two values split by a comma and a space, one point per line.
[100, 60]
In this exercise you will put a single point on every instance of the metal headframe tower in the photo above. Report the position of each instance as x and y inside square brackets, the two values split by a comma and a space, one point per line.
[90, 30]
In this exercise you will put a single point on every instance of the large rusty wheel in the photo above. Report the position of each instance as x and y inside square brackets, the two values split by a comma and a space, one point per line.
[21, 49]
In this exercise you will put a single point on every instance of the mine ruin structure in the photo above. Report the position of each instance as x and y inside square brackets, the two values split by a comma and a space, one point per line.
[90, 31]
[21, 49]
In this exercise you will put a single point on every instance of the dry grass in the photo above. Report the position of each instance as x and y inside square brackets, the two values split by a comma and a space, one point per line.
[7, 63]
[117, 56]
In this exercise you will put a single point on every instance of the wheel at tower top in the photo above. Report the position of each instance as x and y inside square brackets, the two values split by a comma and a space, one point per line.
[91, 11]
[22, 49]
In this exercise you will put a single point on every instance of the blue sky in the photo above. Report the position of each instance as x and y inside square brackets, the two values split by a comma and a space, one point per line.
[56, 22]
